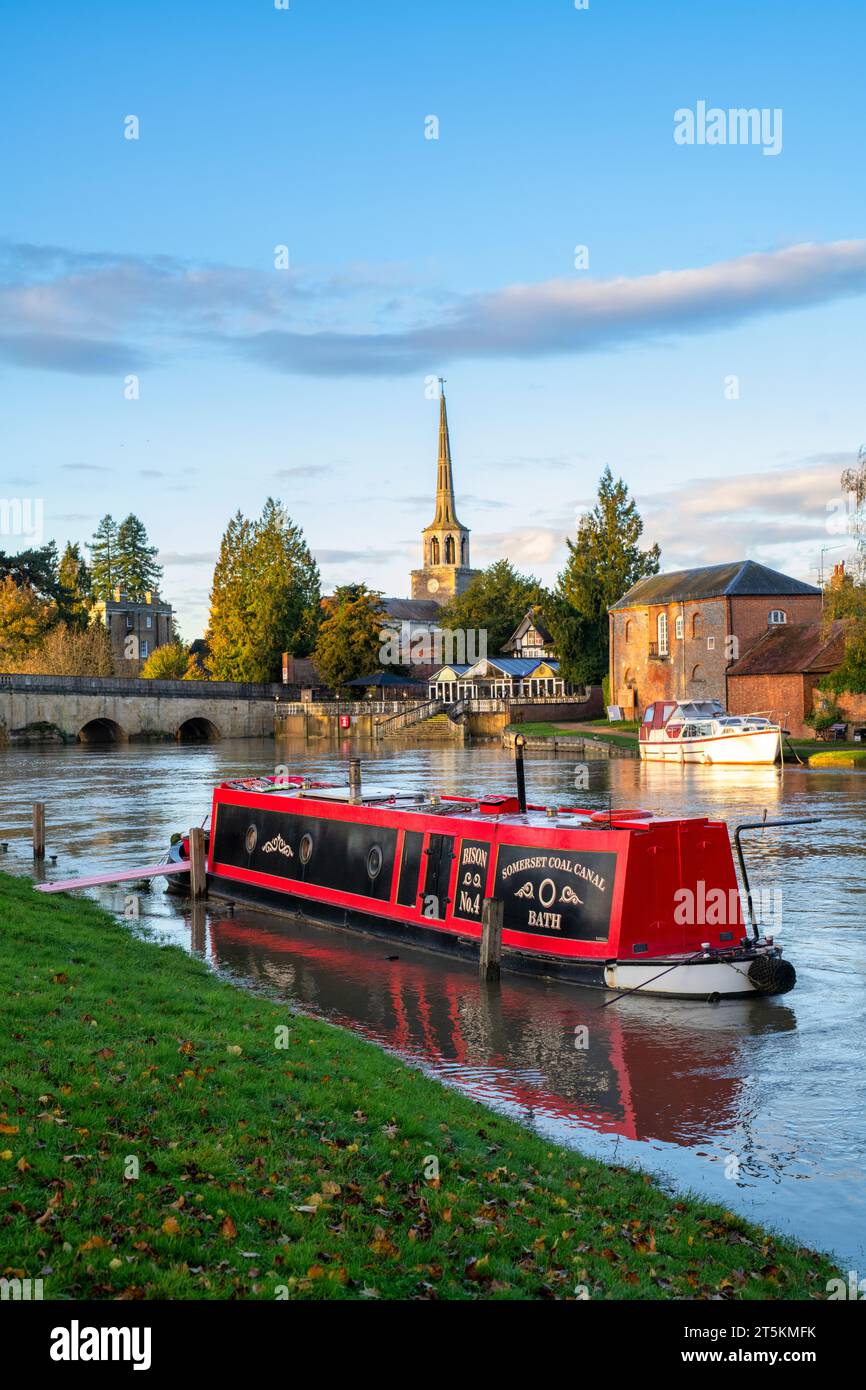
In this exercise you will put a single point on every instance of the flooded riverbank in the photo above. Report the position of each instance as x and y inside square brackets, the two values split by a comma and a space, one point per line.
[758, 1104]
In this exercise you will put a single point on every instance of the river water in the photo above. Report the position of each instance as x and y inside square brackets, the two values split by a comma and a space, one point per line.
[760, 1105]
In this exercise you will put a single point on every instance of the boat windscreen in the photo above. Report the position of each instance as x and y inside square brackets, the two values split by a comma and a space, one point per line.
[701, 709]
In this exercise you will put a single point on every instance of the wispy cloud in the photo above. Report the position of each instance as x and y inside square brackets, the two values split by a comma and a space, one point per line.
[101, 313]
[578, 316]
[352, 557]
[524, 545]
[305, 470]
[796, 510]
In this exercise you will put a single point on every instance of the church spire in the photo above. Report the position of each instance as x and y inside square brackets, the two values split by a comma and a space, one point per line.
[446, 511]
[445, 568]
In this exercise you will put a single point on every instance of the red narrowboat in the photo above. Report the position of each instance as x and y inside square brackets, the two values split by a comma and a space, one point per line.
[618, 899]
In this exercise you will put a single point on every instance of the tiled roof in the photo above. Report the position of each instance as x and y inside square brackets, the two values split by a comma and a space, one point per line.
[793, 649]
[419, 610]
[531, 618]
[741, 578]
[518, 666]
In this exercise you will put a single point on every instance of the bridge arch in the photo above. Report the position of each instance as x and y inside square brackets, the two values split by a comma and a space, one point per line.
[101, 730]
[197, 729]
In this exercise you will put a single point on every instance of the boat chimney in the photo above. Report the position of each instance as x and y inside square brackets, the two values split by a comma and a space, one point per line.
[355, 781]
[519, 745]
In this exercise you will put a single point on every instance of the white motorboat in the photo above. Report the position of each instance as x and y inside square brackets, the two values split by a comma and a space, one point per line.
[700, 731]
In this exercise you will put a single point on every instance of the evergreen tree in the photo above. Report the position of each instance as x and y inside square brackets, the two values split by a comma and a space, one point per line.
[36, 569]
[74, 588]
[604, 561]
[350, 639]
[231, 602]
[265, 597]
[494, 602]
[104, 562]
[287, 593]
[137, 569]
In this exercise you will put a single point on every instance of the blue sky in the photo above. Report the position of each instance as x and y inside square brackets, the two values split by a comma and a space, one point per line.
[410, 257]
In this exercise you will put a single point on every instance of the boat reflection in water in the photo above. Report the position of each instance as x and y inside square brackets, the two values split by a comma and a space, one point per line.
[645, 1069]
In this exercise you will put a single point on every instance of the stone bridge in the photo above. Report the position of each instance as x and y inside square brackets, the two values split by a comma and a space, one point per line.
[70, 709]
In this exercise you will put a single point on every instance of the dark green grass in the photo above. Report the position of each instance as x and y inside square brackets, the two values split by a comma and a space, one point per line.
[296, 1171]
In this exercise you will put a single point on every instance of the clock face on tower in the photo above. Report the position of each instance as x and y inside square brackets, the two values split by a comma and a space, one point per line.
[432, 585]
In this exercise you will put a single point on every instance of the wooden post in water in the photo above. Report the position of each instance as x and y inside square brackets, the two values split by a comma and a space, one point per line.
[355, 797]
[197, 863]
[491, 938]
[39, 830]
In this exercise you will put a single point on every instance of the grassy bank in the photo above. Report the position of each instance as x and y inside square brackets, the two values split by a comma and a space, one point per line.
[303, 1170]
[839, 757]
[540, 729]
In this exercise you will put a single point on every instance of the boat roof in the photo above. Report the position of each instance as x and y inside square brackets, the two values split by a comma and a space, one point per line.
[701, 709]
[501, 807]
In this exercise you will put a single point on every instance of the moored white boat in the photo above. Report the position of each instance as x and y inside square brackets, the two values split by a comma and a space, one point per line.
[700, 731]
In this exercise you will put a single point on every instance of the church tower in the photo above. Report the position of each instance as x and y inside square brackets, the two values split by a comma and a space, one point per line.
[445, 542]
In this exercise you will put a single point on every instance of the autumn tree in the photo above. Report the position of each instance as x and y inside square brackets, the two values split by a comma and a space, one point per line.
[69, 650]
[494, 602]
[25, 619]
[350, 637]
[194, 669]
[166, 663]
[265, 597]
[604, 561]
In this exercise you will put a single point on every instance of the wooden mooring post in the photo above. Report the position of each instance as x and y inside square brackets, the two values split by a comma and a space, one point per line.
[492, 910]
[39, 830]
[197, 863]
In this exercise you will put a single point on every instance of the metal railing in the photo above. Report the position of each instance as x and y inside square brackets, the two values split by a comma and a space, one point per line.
[501, 701]
[133, 685]
[286, 707]
[406, 718]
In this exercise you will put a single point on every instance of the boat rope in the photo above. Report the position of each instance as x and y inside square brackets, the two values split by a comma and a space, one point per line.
[794, 751]
[676, 965]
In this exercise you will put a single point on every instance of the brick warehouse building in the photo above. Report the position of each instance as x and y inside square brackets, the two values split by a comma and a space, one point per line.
[674, 636]
[779, 674]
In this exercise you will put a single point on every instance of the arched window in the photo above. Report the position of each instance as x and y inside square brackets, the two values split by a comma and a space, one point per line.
[629, 678]
[697, 674]
[776, 617]
[629, 629]
[449, 550]
[434, 551]
[697, 625]
[463, 550]
[662, 633]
